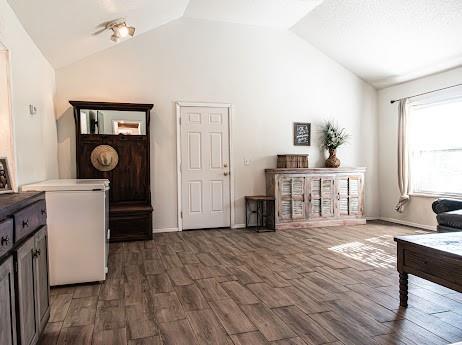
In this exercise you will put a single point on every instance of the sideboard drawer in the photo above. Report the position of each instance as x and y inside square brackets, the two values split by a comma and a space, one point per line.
[29, 219]
[6, 236]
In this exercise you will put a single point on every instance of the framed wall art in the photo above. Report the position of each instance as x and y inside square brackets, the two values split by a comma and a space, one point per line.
[302, 134]
[6, 185]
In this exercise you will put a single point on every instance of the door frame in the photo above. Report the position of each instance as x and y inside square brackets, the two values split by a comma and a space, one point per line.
[179, 105]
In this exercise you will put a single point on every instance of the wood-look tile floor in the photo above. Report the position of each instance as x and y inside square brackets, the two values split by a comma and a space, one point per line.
[301, 287]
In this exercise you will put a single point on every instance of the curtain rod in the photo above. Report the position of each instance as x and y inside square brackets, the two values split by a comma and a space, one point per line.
[424, 93]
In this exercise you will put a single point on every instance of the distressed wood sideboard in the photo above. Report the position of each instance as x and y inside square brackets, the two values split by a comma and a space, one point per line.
[24, 283]
[317, 196]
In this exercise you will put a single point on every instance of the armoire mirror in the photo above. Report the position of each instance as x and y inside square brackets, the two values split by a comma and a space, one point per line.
[97, 121]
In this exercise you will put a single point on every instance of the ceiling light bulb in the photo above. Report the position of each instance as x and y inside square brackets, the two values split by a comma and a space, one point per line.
[131, 30]
[115, 37]
[123, 31]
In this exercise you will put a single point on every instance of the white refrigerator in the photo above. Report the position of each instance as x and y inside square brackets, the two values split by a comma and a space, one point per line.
[78, 229]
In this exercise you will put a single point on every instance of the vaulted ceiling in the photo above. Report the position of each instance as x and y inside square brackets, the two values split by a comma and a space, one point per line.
[62, 29]
[382, 41]
[387, 41]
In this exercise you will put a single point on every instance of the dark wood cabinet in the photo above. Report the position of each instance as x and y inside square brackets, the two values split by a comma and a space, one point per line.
[24, 283]
[7, 303]
[130, 210]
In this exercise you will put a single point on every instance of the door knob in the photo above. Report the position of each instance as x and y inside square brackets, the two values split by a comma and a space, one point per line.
[225, 165]
[226, 173]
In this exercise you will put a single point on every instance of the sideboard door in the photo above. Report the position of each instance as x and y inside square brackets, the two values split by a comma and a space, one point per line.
[7, 304]
[349, 195]
[322, 196]
[42, 280]
[291, 196]
[27, 302]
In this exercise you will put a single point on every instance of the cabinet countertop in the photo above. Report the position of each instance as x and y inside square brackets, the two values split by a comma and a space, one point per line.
[314, 170]
[12, 202]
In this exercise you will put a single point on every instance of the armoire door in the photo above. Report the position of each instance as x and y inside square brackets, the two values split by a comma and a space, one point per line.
[292, 191]
[349, 193]
[321, 197]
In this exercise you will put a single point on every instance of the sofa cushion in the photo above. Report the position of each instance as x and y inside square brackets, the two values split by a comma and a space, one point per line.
[446, 205]
[451, 219]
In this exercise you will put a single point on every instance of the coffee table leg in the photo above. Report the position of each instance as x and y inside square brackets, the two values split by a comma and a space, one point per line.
[403, 286]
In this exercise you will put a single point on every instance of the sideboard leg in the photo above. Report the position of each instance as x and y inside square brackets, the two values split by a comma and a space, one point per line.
[403, 289]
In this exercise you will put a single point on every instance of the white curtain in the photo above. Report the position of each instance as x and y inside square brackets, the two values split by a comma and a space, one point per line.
[403, 155]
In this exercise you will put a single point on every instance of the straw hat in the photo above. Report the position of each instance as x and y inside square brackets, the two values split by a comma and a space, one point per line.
[104, 158]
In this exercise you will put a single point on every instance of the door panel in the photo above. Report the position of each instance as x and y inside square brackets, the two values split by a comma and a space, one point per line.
[27, 306]
[321, 201]
[349, 195]
[217, 196]
[292, 198]
[7, 304]
[285, 198]
[342, 185]
[194, 151]
[216, 150]
[205, 185]
[42, 283]
[298, 198]
[195, 197]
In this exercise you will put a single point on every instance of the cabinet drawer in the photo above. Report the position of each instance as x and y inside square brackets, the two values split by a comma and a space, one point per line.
[29, 219]
[440, 266]
[6, 236]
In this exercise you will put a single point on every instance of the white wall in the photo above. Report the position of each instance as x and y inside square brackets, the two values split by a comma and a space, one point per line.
[32, 82]
[272, 78]
[6, 120]
[418, 211]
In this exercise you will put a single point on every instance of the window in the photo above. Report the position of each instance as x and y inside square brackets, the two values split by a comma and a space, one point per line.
[435, 143]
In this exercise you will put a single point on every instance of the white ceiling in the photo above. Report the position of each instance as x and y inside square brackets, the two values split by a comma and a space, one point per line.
[382, 41]
[62, 29]
[387, 41]
[270, 13]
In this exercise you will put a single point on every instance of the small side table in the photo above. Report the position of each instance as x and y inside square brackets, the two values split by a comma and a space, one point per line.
[264, 209]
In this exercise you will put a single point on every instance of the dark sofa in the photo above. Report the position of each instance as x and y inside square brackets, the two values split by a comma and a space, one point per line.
[448, 214]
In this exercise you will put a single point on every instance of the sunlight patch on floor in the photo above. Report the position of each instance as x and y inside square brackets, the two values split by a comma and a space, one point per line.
[366, 253]
[384, 240]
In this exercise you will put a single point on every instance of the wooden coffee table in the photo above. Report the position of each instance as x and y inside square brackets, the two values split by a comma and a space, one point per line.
[434, 257]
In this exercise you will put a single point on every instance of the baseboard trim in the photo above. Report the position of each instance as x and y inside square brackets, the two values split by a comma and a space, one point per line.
[403, 222]
[238, 226]
[156, 231]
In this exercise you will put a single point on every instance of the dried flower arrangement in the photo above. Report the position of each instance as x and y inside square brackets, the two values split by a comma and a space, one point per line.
[332, 137]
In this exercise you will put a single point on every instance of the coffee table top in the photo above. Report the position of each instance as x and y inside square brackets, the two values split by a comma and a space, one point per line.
[450, 242]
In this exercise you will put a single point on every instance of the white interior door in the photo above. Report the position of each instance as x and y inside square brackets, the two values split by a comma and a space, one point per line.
[205, 185]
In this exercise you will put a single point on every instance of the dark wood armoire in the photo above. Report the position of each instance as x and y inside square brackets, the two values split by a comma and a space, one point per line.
[125, 128]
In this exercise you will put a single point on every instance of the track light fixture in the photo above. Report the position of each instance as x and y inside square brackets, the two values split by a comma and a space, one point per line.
[119, 29]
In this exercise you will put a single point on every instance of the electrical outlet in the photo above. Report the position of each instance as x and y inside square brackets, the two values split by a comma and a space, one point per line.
[246, 162]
